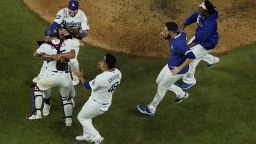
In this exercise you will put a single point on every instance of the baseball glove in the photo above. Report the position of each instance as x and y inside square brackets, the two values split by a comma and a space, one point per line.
[75, 32]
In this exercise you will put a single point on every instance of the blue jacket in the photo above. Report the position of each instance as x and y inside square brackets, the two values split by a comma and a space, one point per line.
[179, 52]
[206, 32]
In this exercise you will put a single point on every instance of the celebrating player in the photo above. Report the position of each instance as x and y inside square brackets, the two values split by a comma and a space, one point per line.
[100, 100]
[76, 22]
[177, 66]
[205, 39]
[57, 53]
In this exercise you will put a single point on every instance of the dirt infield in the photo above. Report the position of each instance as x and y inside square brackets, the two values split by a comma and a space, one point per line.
[133, 26]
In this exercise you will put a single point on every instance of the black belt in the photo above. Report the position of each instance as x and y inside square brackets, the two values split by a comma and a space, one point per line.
[60, 71]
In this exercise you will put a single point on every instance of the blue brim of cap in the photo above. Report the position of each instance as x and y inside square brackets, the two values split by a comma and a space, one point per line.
[73, 8]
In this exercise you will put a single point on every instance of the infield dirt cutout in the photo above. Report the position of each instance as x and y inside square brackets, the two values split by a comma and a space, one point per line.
[133, 26]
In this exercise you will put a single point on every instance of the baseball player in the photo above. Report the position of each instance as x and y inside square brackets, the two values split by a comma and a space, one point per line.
[76, 22]
[57, 53]
[103, 86]
[47, 94]
[177, 66]
[205, 39]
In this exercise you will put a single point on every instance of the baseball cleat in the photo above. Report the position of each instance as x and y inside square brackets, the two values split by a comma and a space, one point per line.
[186, 86]
[99, 140]
[46, 109]
[144, 109]
[179, 100]
[82, 138]
[68, 122]
[35, 116]
[216, 61]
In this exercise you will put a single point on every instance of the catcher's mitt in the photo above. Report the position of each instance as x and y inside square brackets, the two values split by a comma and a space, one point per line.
[75, 32]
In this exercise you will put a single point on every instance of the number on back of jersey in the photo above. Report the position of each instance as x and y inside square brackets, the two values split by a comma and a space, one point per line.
[113, 87]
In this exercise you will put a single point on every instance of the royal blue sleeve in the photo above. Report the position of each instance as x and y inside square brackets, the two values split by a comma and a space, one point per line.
[191, 19]
[87, 85]
[186, 51]
[54, 25]
[83, 34]
[206, 31]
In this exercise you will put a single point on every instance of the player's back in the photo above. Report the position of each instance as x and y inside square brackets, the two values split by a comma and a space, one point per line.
[104, 85]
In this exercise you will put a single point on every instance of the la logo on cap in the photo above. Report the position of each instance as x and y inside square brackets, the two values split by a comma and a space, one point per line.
[73, 4]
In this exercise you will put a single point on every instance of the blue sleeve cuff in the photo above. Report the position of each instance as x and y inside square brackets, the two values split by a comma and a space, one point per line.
[83, 34]
[87, 85]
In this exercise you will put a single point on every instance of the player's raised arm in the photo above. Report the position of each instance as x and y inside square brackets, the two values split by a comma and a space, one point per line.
[84, 25]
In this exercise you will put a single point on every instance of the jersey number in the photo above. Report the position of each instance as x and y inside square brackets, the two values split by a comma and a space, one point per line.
[113, 87]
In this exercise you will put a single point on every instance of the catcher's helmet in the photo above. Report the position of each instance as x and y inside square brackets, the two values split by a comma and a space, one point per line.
[51, 32]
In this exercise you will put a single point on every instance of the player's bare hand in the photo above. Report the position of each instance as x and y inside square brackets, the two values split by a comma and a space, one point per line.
[175, 70]
[79, 73]
[57, 57]
[164, 34]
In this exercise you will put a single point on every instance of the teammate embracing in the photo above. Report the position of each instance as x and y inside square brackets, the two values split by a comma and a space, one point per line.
[76, 23]
[205, 39]
[103, 87]
[177, 66]
[57, 53]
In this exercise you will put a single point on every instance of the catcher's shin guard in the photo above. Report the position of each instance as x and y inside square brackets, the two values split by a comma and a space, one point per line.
[37, 99]
[67, 106]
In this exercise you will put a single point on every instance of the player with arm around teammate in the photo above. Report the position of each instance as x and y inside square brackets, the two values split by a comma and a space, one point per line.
[76, 23]
[177, 66]
[103, 87]
[205, 40]
[56, 52]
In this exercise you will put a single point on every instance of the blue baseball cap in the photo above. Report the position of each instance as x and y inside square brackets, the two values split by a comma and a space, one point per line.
[73, 5]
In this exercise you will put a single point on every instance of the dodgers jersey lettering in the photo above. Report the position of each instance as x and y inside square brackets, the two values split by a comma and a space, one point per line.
[104, 85]
[78, 21]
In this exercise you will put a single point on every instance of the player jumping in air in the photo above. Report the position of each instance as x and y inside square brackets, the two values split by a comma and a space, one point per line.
[204, 41]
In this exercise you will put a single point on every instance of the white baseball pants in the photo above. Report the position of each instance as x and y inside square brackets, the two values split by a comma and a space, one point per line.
[91, 109]
[201, 54]
[165, 81]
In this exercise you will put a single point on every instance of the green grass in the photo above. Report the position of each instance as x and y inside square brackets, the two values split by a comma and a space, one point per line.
[220, 109]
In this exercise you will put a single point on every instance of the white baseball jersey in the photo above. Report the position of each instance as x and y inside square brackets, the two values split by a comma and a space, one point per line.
[78, 21]
[104, 85]
[45, 48]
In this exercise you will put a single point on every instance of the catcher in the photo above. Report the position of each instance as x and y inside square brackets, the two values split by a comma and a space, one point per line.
[76, 23]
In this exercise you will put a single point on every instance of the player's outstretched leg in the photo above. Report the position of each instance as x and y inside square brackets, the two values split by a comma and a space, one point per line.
[37, 99]
[90, 110]
[180, 94]
[211, 60]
